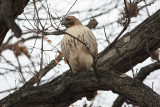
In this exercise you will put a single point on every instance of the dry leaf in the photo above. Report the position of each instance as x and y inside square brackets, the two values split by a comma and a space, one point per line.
[25, 50]
[45, 38]
[56, 60]
[155, 55]
[92, 23]
[5, 45]
[49, 41]
[16, 49]
[65, 61]
[132, 9]
[60, 53]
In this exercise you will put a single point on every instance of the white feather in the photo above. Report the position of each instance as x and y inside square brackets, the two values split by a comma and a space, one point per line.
[76, 53]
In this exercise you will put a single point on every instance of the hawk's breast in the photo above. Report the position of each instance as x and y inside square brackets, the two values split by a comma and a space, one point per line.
[78, 56]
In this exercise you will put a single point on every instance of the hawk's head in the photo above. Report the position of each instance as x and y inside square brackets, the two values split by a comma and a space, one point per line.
[70, 21]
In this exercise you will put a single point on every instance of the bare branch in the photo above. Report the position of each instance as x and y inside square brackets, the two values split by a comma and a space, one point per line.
[41, 73]
[59, 91]
[143, 73]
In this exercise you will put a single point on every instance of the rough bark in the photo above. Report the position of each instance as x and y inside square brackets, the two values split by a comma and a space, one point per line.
[16, 9]
[143, 73]
[63, 92]
[66, 89]
[142, 43]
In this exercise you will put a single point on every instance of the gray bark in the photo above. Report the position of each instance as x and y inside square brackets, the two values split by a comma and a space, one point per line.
[9, 10]
[68, 88]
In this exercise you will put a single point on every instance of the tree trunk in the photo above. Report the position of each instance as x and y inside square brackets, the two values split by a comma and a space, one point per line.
[16, 9]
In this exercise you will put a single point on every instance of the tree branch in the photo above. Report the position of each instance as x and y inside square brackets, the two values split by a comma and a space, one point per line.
[16, 9]
[40, 74]
[133, 44]
[66, 89]
[69, 88]
[91, 24]
[143, 73]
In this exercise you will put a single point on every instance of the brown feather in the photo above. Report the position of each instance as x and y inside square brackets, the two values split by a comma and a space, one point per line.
[77, 54]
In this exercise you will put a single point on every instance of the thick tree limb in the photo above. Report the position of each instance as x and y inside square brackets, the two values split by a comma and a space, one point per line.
[143, 73]
[66, 89]
[141, 43]
[7, 22]
[63, 92]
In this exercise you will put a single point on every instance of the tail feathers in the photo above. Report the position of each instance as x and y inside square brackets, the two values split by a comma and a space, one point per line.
[91, 95]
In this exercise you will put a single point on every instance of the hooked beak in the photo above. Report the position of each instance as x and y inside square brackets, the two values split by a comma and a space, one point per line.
[63, 22]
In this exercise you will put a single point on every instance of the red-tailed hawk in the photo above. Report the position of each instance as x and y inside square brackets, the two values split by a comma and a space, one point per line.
[78, 55]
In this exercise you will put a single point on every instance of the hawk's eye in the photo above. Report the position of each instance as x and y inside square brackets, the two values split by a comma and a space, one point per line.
[67, 19]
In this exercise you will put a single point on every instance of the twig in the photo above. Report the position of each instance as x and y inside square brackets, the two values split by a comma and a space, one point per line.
[35, 7]
[113, 43]
[33, 45]
[146, 7]
[9, 62]
[40, 74]
[106, 35]
[20, 70]
[41, 63]
[126, 24]
[70, 8]
[28, 20]
[68, 11]
[51, 17]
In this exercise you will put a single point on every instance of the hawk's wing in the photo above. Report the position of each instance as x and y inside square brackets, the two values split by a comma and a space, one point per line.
[84, 34]
[90, 41]
[66, 45]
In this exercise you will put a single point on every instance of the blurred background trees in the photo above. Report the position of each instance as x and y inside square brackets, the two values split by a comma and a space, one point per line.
[23, 59]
